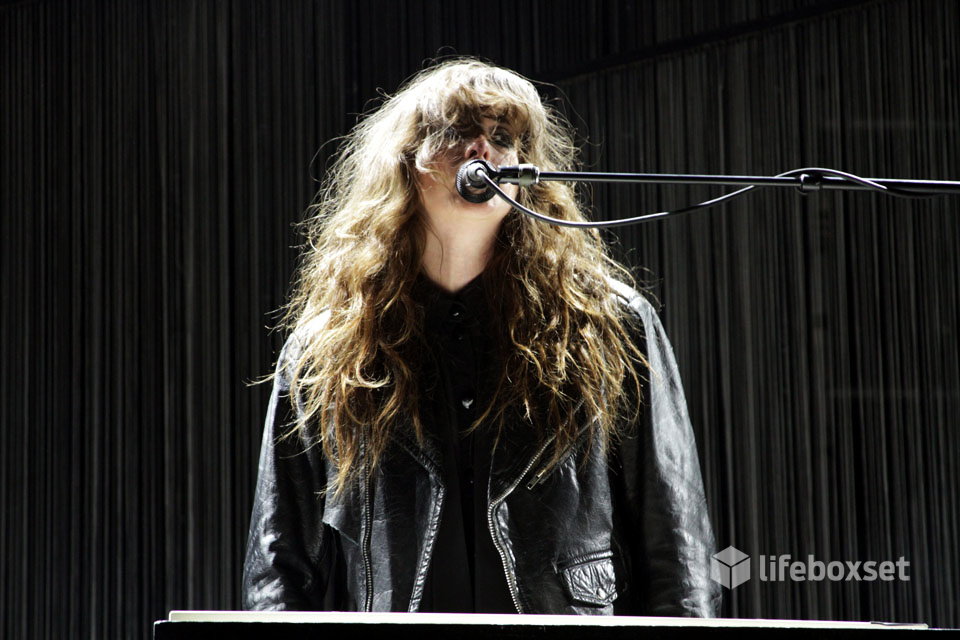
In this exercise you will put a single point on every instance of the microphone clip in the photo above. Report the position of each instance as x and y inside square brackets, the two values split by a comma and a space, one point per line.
[524, 175]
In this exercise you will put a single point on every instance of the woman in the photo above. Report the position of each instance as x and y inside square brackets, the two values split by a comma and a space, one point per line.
[472, 413]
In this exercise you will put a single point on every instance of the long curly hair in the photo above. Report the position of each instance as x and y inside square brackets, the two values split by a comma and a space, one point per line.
[564, 341]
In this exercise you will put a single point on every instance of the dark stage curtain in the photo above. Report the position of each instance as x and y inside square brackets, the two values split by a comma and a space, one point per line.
[155, 156]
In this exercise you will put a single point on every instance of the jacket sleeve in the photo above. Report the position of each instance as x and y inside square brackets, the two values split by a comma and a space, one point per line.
[288, 545]
[674, 540]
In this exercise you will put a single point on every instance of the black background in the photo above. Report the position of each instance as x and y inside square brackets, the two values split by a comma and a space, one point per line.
[155, 156]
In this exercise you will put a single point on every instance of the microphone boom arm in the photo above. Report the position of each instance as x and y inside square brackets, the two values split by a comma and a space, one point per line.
[807, 180]
[812, 179]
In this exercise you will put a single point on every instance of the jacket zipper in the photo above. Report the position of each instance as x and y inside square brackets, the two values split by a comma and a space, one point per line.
[427, 553]
[547, 470]
[365, 542]
[511, 577]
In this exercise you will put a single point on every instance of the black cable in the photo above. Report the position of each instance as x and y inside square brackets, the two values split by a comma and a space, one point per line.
[813, 172]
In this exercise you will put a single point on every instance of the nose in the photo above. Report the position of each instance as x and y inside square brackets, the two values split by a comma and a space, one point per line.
[479, 148]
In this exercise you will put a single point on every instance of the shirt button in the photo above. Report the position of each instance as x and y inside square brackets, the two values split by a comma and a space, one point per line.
[467, 401]
[456, 311]
[459, 335]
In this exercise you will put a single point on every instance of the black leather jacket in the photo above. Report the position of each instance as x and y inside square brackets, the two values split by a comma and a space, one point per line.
[623, 532]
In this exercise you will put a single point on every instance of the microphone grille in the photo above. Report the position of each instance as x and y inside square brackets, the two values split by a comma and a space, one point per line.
[470, 185]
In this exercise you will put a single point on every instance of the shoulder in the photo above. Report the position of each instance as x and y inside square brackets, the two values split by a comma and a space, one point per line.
[636, 306]
[648, 331]
[298, 343]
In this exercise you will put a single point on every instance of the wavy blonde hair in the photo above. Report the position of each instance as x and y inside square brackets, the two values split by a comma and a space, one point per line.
[563, 338]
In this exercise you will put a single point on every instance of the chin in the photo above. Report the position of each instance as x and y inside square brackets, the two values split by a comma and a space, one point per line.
[486, 210]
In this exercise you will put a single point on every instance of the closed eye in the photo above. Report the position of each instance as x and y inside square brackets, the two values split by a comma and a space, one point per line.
[503, 139]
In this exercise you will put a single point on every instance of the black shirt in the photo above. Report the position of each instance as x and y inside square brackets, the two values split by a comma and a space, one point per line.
[466, 571]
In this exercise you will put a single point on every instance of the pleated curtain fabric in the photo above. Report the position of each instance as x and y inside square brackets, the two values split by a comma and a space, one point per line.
[156, 156]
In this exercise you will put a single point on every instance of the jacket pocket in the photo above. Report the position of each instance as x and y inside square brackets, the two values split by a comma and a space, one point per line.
[591, 579]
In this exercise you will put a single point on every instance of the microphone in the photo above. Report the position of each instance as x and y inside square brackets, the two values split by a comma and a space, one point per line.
[470, 183]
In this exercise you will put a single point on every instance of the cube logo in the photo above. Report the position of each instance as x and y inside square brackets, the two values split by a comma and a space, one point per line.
[730, 567]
